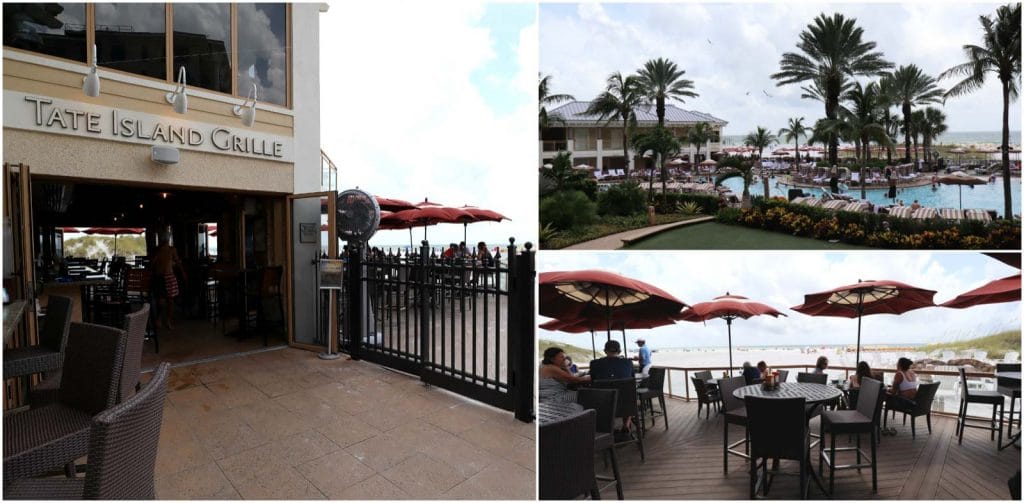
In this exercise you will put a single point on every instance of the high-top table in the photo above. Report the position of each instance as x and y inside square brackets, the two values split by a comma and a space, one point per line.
[1008, 383]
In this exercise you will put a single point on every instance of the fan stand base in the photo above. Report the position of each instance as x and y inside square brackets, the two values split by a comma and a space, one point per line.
[329, 356]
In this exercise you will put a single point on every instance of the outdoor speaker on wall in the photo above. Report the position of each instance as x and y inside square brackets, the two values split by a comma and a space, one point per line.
[166, 155]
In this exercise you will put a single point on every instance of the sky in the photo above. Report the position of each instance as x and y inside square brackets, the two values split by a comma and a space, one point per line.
[436, 101]
[731, 49]
[781, 279]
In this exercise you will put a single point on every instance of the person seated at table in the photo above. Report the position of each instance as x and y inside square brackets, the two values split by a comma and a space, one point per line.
[555, 380]
[484, 255]
[612, 366]
[904, 383]
[750, 373]
[452, 251]
[821, 365]
[762, 368]
[863, 370]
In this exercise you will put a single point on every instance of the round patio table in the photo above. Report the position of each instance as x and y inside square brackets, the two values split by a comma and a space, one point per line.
[549, 412]
[813, 393]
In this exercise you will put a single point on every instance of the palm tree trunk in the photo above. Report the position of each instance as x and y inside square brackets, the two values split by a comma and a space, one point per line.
[831, 106]
[863, 188]
[1007, 196]
[625, 148]
[906, 130]
[796, 143]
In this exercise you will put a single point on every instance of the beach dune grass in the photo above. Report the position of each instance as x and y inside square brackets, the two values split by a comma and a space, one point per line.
[716, 236]
[996, 344]
[579, 354]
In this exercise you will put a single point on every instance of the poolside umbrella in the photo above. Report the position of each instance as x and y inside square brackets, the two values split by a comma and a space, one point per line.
[601, 296]
[864, 298]
[728, 307]
[114, 231]
[429, 214]
[624, 322]
[993, 292]
[960, 178]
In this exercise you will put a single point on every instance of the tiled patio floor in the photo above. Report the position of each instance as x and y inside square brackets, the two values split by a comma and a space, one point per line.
[284, 424]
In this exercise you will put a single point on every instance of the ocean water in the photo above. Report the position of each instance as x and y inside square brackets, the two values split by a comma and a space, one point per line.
[987, 197]
[949, 138]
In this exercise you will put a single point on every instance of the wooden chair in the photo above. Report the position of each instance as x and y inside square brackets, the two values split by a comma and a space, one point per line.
[122, 452]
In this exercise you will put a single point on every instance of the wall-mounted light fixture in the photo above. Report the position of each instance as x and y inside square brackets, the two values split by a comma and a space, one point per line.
[178, 98]
[91, 81]
[247, 110]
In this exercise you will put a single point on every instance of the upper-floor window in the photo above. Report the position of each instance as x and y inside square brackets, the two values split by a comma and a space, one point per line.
[202, 44]
[132, 37]
[56, 29]
[263, 53]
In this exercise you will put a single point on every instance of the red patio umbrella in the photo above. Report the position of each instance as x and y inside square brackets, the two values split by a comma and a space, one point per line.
[392, 204]
[428, 215]
[728, 307]
[993, 292]
[479, 215]
[864, 298]
[601, 295]
[622, 322]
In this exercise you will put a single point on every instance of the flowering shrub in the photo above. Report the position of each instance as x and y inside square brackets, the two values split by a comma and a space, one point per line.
[874, 230]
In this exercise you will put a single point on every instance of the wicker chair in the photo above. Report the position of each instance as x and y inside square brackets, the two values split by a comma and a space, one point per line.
[44, 438]
[810, 377]
[626, 407]
[566, 468]
[655, 390]
[862, 420]
[706, 397]
[122, 450]
[783, 375]
[135, 327]
[921, 405]
[53, 337]
[735, 413]
[778, 430]
[987, 397]
[603, 402]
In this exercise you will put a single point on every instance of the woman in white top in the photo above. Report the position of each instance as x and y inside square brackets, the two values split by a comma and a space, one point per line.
[905, 382]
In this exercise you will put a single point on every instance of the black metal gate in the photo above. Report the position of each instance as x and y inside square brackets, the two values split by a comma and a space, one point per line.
[462, 323]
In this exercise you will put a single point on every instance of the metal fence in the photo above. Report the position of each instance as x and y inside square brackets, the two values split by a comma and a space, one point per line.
[463, 324]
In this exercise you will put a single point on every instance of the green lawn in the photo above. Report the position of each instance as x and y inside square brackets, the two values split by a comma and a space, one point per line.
[716, 236]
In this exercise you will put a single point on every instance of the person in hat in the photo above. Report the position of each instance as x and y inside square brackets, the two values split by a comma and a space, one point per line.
[613, 365]
[644, 356]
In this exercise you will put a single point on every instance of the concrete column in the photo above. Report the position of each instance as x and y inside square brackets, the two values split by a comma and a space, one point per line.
[600, 154]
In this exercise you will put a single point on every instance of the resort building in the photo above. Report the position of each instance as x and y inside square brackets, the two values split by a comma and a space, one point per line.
[598, 143]
[176, 118]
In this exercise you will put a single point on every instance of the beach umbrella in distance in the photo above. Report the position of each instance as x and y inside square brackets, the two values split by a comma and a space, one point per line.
[993, 292]
[428, 214]
[728, 307]
[864, 298]
[601, 295]
[960, 179]
[622, 322]
[114, 231]
[479, 215]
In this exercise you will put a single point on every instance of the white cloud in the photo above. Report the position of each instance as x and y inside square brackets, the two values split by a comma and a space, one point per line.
[403, 118]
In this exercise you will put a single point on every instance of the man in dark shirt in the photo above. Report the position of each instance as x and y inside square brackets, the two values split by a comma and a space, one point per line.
[611, 366]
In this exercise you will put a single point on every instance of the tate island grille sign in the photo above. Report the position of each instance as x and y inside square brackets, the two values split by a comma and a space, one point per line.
[52, 115]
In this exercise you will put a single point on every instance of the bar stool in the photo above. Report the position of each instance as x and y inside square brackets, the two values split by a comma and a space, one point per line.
[987, 397]
[1014, 394]
[862, 420]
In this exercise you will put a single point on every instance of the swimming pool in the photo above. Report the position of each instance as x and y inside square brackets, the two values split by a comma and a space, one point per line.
[987, 197]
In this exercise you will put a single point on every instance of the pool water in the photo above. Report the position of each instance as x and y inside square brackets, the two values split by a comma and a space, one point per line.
[986, 197]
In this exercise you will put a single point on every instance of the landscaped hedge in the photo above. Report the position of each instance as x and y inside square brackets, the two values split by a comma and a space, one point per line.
[667, 203]
[624, 199]
[567, 209]
[872, 229]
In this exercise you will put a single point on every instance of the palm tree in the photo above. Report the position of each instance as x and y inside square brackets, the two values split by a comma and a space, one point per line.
[889, 122]
[760, 139]
[934, 124]
[546, 99]
[660, 79]
[618, 102]
[698, 135]
[734, 166]
[793, 132]
[863, 117]
[662, 144]
[831, 51]
[912, 128]
[561, 173]
[910, 86]
[999, 54]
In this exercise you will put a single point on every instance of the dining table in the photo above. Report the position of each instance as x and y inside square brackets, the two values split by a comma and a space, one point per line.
[1008, 383]
[550, 412]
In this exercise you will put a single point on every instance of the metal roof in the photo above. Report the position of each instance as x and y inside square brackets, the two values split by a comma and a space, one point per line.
[574, 113]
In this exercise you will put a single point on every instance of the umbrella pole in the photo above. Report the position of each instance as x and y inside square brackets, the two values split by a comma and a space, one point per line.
[410, 239]
[728, 324]
[593, 345]
[857, 362]
[961, 197]
[625, 350]
[464, 227]
[608, 311]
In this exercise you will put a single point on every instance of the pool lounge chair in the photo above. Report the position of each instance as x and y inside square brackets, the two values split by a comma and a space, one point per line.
[901, 211]
[924, 213]
[807, 201]
[856, 207]
[834, 204]
[951, 213]
[977, 214]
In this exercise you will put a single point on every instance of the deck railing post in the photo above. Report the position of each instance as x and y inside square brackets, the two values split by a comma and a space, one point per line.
[355, 300]
[521, 330]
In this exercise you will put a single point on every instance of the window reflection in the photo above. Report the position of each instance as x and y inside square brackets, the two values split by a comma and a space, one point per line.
[202, 44]
[132, 38]
[57, 29]
[262, 51]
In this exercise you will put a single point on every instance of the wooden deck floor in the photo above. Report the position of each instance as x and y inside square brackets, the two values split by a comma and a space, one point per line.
[685, 462]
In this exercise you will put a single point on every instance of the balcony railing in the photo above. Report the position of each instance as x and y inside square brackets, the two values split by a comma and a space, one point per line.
[555, 145]
[328, 173]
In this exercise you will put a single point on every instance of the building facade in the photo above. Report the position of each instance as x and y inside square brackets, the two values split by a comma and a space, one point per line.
[171, 117]
[598, 143]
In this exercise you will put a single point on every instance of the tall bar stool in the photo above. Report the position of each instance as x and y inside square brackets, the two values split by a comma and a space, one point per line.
[987, 397]
[862, 420]
[1013, 393]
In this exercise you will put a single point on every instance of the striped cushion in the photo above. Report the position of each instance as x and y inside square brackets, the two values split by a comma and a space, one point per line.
[835, 204]
[951, 213]
[856, 207]
[901, 212]
[976, 214]
[809, 201]
[923, 213]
